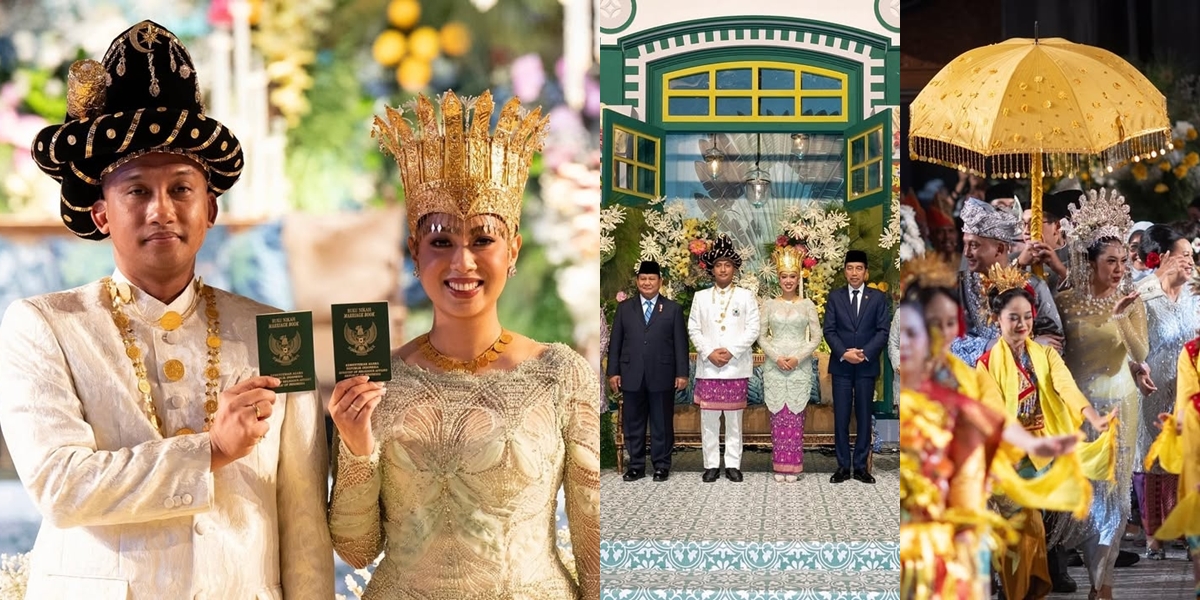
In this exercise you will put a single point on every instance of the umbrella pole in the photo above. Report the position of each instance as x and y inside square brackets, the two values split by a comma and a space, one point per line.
[1035, 206]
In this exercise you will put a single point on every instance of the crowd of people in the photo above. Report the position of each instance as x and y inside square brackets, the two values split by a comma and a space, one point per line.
[1055, 376]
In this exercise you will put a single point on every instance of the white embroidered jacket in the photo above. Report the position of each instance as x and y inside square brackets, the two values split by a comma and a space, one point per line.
[129, 514]
[736, 331]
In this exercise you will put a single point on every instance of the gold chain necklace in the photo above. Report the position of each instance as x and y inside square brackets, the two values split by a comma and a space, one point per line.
[448, 364]
[173, 368]
[727, 301]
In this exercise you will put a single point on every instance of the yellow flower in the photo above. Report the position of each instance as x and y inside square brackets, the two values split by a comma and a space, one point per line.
[1139, 171]
[1164, 165]
[1180, 171]
[883, 286]
[1191, 159]
[1161, 188]
[1177, 143]
[1191, 133]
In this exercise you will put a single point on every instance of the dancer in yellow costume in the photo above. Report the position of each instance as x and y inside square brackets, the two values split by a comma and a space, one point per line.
[1181, 454]
[454, 470]
[1106, 332]
[1040, 394]
[949, 445]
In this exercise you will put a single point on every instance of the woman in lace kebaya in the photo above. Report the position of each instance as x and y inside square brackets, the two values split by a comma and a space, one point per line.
[1173, 317]
[790, 332]
[453, 470]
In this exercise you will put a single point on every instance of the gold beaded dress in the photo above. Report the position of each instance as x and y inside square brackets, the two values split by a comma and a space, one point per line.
[461, 491]
[1099, 348]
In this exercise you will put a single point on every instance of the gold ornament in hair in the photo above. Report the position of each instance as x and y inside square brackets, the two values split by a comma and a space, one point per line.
[457, 166]
[1003, 278]
[927, 271]
[787, 260]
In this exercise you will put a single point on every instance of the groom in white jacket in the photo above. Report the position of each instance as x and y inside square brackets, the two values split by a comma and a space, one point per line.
[723, 326]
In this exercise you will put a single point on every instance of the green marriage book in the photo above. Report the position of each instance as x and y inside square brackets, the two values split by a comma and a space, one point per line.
[362, 341]
[285, 350]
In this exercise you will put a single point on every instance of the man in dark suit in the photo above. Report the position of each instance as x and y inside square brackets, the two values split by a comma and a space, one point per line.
[648, 363]
[857, 319]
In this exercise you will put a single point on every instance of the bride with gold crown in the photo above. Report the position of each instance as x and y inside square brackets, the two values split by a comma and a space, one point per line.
[453, 469]
[789, 333]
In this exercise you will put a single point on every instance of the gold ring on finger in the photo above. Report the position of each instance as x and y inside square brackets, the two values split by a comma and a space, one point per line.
[257, 413]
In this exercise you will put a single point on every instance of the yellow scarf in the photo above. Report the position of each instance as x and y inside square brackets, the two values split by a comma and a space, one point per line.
[1184, 519]
[1098, 458]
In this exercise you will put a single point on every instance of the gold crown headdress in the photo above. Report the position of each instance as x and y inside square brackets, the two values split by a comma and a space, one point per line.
[927, 271]
[787, 260]
[1003, 278]
[457, 166]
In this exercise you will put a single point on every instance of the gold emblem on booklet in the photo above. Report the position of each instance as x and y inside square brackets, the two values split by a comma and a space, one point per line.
[362, 341]
[283, 350]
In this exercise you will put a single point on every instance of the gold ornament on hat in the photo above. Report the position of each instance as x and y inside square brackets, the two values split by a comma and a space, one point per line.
[457, 167]
[87, 83]
[787, 260]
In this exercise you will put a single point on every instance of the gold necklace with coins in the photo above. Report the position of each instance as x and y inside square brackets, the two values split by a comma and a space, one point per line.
[173, 369]
[447, 364]
[722, 291]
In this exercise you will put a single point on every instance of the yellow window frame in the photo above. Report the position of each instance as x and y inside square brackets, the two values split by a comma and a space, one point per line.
[852, 166]
[635, 163]
[712, 93]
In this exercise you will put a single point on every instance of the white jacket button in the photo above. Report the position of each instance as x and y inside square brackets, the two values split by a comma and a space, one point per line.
[169, 502]
[200, 528]
[187, 499]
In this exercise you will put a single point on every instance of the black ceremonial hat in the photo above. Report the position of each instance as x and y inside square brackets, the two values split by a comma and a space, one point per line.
[142, 98]
[722, 247]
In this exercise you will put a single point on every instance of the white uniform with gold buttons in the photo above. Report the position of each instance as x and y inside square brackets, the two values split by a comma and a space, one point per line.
[128, 513]
[727, 319]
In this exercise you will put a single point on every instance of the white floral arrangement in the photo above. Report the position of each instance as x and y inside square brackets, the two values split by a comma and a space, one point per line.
[609, 219]
[674, 240]
[14, 576]
[912, 244]
[819, 233]
[891, 234]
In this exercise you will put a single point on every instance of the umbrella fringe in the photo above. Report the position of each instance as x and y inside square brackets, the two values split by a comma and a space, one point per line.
[1056, 162]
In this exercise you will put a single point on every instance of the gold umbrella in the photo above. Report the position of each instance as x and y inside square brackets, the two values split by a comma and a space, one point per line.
[1029, 107]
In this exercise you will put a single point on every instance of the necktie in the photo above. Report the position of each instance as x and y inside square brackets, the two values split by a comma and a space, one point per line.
[647, 313]
[854, 301]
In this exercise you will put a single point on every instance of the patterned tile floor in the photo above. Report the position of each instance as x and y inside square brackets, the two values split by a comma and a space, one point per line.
[790, 585]
[759, 509]
[758, 539]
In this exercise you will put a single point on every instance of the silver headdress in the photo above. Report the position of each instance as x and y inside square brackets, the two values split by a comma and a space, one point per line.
[1100, 215]
[984, 220]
